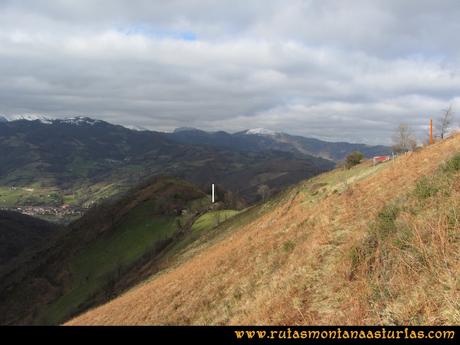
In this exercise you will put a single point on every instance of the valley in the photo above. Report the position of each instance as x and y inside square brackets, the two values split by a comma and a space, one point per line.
[113, 246]
[275, 171]
[369, 245]
[320, 233]
[173, 257]
[78, 162]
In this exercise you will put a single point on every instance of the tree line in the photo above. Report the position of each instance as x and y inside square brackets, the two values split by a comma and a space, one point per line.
[404, 139]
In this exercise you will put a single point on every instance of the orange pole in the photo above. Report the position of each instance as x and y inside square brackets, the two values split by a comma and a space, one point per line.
[431, 131]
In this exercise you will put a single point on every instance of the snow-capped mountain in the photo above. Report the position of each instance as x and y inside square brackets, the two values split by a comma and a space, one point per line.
[136, 128]
[255, 139]
[75, 120]
[260, 131]
[31, 117]
[79, 120]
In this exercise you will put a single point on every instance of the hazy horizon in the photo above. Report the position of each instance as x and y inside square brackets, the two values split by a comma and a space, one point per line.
[332, 70]
[30, 117]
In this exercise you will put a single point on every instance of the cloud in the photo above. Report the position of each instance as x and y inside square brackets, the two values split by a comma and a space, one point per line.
[339, 70]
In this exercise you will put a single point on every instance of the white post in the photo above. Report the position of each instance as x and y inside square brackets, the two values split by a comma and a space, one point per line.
[212, 193]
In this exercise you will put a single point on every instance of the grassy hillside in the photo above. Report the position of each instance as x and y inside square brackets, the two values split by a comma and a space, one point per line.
[104, 260]
[99, 253]
[369, 245]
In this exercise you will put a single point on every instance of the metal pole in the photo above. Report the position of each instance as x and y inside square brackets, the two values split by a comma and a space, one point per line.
[431, 131]
[212, 193]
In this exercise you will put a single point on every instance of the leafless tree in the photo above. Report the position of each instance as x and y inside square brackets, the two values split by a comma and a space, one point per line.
[445, 121]
[403, 139]
[263, 191]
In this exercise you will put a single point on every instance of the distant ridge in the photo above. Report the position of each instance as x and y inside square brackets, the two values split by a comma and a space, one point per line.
[81, 160]
[262, 139]
[185, 129]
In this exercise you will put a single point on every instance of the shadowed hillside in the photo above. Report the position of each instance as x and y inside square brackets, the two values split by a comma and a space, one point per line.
[369, 245]
[106, 251]
[20, 233]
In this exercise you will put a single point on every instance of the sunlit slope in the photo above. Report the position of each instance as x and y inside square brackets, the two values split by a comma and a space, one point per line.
[361, 246]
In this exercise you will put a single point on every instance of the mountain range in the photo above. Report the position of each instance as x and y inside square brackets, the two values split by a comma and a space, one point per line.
[261, 139]
[78, 161]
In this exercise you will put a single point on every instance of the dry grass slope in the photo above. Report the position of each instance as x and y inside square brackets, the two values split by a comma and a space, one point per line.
[370, 245]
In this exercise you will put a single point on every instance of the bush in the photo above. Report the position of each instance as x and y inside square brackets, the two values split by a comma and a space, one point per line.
[353, 159]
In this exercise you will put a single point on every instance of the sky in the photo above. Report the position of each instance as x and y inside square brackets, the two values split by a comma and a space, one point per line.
[334, 70]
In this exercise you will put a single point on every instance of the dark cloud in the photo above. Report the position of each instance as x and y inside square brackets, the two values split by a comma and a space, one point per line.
[340, 70]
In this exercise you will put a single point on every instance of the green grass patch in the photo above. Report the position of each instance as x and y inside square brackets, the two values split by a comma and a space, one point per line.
[205, 231]
[212, 219]
[100, 262]
[29, 195]
[425, 188]
[452, 165]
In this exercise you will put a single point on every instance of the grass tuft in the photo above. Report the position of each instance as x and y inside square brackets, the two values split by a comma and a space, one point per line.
[288, 246]
[453, 164]
[425, 188]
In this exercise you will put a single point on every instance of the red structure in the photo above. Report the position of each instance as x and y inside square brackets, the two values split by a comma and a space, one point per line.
[380, 159]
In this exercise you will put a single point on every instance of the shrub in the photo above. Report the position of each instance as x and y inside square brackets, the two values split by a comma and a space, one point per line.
[353, 159]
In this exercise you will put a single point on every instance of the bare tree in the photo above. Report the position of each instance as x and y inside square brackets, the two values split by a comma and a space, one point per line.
[445, 121]
[263, 191]
[403, 139]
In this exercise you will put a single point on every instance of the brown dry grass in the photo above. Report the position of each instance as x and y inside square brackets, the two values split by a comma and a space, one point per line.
[294, 265]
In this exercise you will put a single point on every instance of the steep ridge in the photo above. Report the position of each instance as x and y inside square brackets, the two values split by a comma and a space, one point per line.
[96, 256]
[361, 246]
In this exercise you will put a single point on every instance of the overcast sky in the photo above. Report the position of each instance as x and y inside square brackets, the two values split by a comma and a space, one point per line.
[336, 70]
